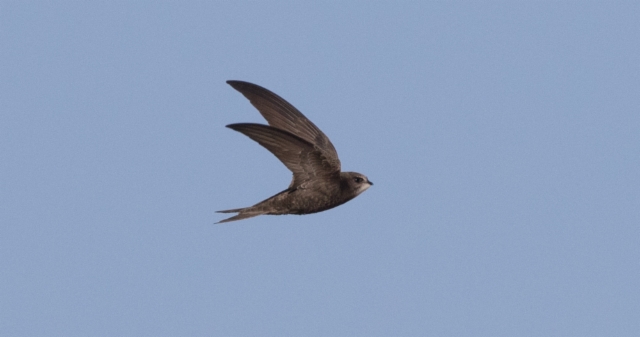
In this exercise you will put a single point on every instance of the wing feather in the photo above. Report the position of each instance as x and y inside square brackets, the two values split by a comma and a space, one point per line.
[284, 116]
[304, 159]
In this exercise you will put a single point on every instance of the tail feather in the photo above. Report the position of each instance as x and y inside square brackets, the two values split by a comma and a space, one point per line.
[239, 217]
[263, 207]
[243, 213]
[231, 210]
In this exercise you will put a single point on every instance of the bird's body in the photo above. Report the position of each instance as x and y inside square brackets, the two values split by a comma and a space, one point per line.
[317, 183]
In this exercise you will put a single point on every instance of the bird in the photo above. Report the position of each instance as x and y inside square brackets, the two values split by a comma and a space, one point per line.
[318, 184]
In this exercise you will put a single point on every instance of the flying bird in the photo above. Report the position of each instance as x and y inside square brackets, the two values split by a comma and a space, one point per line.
[317, 184]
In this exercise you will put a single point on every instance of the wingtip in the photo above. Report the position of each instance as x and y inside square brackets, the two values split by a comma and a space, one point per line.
[238, 126]
[245, 87]
[235, 83]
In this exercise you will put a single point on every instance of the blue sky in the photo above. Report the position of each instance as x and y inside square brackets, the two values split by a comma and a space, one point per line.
[503, 139]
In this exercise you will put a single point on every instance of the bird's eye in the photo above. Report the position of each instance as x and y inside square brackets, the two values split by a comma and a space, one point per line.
[358, 180]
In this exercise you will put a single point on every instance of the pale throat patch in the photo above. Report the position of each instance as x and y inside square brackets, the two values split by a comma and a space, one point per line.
[362, 188]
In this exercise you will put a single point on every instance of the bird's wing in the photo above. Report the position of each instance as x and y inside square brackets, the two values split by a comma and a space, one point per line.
[284, 116]
[304, 159]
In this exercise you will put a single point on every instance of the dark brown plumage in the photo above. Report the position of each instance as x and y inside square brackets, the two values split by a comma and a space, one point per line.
[317, 183]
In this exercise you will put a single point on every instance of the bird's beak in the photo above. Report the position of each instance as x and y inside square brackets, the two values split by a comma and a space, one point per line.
[370, 183]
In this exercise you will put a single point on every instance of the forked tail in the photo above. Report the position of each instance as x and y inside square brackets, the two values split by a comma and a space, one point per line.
[243, 213]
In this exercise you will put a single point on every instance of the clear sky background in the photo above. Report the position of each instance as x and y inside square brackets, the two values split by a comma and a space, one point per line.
[503, 140]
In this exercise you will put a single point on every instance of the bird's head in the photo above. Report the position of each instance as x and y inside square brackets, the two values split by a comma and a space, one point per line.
[356, 182]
